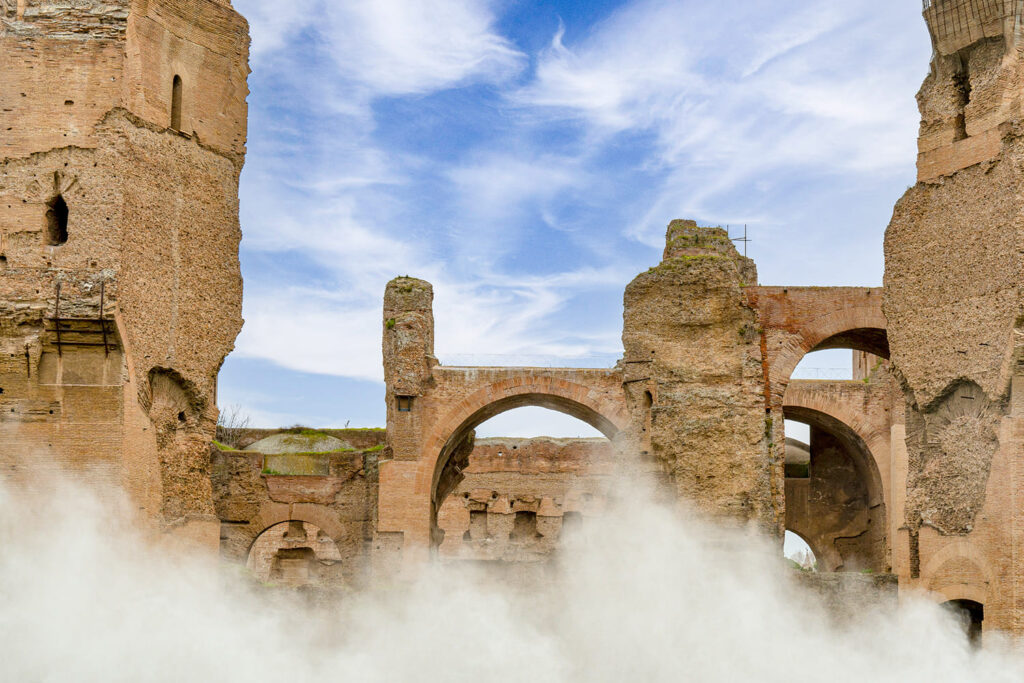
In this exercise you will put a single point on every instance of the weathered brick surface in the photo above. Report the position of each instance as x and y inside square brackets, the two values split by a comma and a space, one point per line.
[522, 490]
[954, 267]
[917, 469]
[252, 503]
[152, 223]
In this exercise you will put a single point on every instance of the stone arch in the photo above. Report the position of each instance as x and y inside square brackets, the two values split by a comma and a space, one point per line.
[820, 554]
[273, 515]
[864, 458]
[278, 549]
[861, 328]
[824, 533]
[958, 577]
[570, 398]
[446, 450]
[963, 560]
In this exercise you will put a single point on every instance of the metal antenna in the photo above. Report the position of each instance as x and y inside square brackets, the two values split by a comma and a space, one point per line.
[743, 239]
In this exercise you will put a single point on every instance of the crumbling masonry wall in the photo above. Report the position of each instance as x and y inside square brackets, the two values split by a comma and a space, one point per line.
[693, 377]
[520, 498]
[695, 407]
[101, 200]
[953, 254]
[258, 497]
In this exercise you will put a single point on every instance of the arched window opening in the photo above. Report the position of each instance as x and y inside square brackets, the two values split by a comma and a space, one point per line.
[969, 615]
[797, 551]
[176, 103]
[519, 491]
[56, 221]
[295, 553]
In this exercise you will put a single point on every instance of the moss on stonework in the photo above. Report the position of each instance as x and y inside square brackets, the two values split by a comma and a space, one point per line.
[390, 323]
[311, 453]
[407, 285]
[223, 447]
[306, 432]
[374, 449]
[698, 240]
[682, 259]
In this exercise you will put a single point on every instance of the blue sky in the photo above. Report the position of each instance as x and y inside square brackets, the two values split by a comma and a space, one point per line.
[525, 158]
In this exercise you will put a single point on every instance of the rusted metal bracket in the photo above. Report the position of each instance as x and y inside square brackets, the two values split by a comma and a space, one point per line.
[82, 331]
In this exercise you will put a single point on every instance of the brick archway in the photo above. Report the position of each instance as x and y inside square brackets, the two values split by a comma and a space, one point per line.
[857, 411]
[570, 398]
[271, 515]
[867, 464]
[805, 515]
[799, 320]
[858, 329]
[458, 400]
[451, 432]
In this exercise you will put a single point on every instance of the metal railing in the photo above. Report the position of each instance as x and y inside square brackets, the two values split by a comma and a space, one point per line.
[601, 361]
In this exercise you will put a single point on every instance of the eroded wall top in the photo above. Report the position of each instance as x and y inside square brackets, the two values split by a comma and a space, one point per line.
[66, 65]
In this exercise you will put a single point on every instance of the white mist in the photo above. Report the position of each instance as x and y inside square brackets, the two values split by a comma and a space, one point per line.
[642, 596]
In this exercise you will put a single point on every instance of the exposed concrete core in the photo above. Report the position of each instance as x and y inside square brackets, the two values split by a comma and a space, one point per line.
[709, 424]
[953, 271]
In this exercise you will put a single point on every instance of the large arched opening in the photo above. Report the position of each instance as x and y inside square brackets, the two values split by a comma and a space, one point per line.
[834, 494]
[513, 494]
[836, 397]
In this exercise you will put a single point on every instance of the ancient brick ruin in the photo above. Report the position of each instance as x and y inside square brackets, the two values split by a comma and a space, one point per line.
[122, 135]
[123, 132]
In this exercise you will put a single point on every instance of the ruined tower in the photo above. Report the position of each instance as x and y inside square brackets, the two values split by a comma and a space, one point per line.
[954, 253]
[122, 135]
[694, 376]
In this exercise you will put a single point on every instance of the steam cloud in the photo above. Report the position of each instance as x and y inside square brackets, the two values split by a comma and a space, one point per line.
[641, 595]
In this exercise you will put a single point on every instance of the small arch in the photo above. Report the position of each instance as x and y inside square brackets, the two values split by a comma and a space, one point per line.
[969, 614]
[864, 459]
[294, 552]
[839, 542]
[798, 550]
[56, 221]
[520, 522]
[859, 329]
[176, 89]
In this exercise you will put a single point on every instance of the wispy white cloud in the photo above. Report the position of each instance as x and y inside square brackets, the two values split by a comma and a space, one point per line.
[415, 46]
[730, 94]
[392, 47]
[663, 109]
